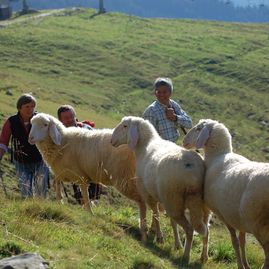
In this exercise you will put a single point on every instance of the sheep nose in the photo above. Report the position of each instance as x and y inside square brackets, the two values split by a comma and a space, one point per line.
[113, 142]
[31, 139]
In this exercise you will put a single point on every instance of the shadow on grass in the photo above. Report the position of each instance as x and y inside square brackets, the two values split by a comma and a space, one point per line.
[96, 14]
[155, 249]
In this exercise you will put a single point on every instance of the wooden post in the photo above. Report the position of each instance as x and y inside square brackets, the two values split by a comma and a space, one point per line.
[101, 6]
[25, 7]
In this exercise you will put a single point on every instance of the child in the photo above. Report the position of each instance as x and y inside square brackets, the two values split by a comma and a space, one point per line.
[165, 114]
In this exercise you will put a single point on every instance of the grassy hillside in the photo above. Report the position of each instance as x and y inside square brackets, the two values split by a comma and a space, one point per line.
[104, 66]
[69, 238]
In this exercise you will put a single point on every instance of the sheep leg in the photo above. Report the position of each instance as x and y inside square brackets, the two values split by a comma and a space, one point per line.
[204, 255]
[152, 226]
[155, 219]
[235, 243]
[143, 221]
[242, 242]
[189, 236]
[161, 210]
[178, 243]
[85, 197]
[58, 190]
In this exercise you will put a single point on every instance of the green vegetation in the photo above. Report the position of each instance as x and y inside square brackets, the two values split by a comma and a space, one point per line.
[104, 66]
[69, 238]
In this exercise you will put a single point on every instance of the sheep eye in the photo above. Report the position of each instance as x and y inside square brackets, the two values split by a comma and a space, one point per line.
[125, 126]
[45, 124]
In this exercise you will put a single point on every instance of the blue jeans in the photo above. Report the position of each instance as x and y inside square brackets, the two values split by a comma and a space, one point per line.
[33, 179]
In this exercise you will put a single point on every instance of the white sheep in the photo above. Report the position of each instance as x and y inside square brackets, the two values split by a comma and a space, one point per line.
[167, 174]
[236, 189]
[77, 155]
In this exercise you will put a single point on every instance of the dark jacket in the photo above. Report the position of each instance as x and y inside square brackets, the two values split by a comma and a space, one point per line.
[23, 152]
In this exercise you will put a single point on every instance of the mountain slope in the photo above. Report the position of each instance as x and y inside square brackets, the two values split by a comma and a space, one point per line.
[105, 65]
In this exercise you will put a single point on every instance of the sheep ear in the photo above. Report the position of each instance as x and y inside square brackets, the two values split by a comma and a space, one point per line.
[202, 138]
[55, 134]
[132, 136]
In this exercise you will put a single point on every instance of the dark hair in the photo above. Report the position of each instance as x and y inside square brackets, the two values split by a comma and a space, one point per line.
[163, 82]
[25, 99]
[65, 108]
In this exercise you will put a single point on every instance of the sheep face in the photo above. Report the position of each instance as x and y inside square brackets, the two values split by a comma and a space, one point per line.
[42, 127]
[197, 136]
[126, 132]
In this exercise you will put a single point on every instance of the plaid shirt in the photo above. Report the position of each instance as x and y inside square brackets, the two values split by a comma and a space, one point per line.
[167, 129]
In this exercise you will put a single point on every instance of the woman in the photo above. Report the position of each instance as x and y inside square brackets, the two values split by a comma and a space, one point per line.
[31, 170]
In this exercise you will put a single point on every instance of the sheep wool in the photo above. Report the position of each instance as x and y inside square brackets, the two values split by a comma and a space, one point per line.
[77, 155]
[168, 174]
[236, 189]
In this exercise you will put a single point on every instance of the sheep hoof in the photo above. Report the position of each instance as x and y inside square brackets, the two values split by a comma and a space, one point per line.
[178, 245]
[160, 240]
[201, 229]
[144, 238]
[185, 260]
[204, 259]
[88, 208]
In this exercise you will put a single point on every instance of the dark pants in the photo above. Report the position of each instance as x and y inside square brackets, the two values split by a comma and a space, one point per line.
[94, 191]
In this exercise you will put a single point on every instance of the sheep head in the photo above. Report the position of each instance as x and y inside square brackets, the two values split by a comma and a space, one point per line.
[126, 132]
[199, 134]
[42, 127]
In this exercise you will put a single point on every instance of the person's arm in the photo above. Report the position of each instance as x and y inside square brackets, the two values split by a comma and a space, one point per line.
[183, 119]
[151, 117]
[4, 138]
[88, 127]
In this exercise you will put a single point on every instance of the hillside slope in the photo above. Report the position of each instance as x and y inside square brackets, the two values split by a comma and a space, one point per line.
[105, 65]
[69, 238]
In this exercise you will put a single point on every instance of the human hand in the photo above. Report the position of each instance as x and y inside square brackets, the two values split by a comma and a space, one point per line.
[170, 114]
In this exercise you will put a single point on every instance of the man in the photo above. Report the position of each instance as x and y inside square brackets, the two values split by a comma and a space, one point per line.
[67, 115]
[165, 114]
[30, 168]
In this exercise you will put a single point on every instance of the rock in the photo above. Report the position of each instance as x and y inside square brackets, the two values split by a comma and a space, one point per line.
[264, 122]
[9, 92]
[27, 260]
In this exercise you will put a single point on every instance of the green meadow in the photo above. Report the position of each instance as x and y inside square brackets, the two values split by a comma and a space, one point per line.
[104, 65]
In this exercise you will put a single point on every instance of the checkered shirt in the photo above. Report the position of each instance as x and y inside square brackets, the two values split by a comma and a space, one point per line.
[167, 129]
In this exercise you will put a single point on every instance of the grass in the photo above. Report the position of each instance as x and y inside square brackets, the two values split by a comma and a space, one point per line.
[104, 66]
[68, 237]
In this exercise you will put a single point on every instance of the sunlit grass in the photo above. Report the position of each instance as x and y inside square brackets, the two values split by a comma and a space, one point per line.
[104, 66]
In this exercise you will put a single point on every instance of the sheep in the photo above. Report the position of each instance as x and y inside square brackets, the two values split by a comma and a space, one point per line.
[168, 174]
[77, 155]
[236, 189]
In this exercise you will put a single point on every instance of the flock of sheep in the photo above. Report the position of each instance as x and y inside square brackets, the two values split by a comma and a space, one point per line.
[153, 172]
